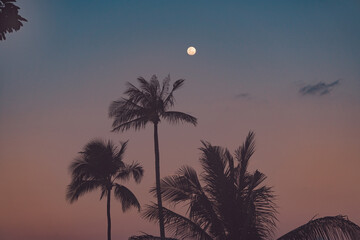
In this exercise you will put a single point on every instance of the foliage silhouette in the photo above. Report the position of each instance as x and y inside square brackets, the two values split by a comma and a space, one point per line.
[326, 228]
[149, 104]
[233, 203]
[100, 165]
[10, 19]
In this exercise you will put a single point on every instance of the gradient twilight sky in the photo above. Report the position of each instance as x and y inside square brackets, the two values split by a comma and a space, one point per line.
[60, 72]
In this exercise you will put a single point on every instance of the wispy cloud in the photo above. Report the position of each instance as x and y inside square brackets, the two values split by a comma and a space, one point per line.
[320, 88]
[243, 95]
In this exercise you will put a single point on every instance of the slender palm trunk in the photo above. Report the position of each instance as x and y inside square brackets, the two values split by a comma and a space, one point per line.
[157, 173]
[108, 215]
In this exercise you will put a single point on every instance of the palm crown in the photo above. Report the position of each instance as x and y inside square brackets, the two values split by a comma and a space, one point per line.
[233, 203]
[99, 165]
[148, 103]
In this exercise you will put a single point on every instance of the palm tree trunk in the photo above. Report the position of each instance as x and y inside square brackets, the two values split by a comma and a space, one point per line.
[108, 215]
[157, 173]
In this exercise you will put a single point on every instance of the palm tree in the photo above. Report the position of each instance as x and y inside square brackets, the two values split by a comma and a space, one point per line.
[326, 228]
[233, 203]
[149, 104]
[10, 19]
[100, 165]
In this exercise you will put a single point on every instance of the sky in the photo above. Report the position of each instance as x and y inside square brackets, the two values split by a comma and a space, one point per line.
[288, 70]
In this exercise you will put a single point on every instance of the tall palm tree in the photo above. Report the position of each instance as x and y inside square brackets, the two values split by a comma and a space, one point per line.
[99, 166]
[150, 103]
[10, 19]
[233, 203]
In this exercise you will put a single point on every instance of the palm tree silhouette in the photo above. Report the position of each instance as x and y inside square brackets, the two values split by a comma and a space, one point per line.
[149, 104]
[100, 165]
[10, 19]
[233, 204]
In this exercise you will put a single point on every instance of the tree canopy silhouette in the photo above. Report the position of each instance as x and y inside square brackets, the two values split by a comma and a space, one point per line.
[149, 103]
[229, 202]
[10, 20]
[99, 166]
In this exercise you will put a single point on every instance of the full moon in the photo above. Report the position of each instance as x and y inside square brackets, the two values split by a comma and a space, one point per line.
[191, 51]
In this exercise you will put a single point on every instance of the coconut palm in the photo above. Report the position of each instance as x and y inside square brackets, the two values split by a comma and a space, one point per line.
[10, 19]
[149, 103]
[232, 203]
[99, 166]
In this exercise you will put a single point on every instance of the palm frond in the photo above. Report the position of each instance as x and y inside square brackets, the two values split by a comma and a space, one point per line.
[134, 169]
[185, 187]
[177, 84]
[144, 85]
[135, 94]
[165, 87]
[214, 162]
[154, 86]
[170, 100]
[176, 224]
[176, 117]
[126, 111]
[137, 124]
[78, 188]
[126, 197]
[118, 155]
[243, 155]
[125, 108]
[80, 169]
[180, 187]
[103, 191]
[326, 228]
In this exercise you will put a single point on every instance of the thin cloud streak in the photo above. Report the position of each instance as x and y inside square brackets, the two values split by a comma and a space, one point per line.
[320, 88]
[243, 95]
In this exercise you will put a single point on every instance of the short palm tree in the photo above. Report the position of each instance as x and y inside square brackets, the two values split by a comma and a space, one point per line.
[233, 203]
[99, 166]
[149, 104]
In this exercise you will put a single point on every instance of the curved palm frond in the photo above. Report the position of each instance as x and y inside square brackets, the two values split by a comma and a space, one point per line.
[176, 117]
[136, 124]
[180, 187]
[260, 200]
[78, 188]
[243, 155]
[134, 169]
[165, 87]
[326, 228]
[125, 109]
[219, 186]
[185, 187]
[170, 100]
[119, 154]
[135, 94]
[176, 224]
[126, 197]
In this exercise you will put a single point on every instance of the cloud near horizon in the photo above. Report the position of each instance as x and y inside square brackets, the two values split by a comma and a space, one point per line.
[320, 88]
